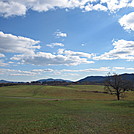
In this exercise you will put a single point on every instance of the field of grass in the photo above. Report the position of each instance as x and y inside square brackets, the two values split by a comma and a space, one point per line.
[77, 110]
[61, 92]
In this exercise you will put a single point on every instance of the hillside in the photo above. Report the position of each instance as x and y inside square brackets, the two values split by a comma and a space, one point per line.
[4, 81]
[101, 79]
[51, 80]
[95, 79]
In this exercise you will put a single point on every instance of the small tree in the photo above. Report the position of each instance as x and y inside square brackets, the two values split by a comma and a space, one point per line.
[115, 84]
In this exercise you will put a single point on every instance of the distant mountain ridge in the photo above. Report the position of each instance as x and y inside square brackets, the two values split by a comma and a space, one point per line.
[101, 79]
[4, 81]
[51, 80]
[98, 79]
[92, 79]
[41, 80]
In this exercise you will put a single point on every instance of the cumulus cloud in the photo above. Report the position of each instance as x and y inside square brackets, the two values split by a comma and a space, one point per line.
[2, 55]
[43, 59]
[114, 5]
[122, 50]
[13, 72]
[52, 45]
[27, 48]
[127, 21]
[60, 34]
[100, 7]
[97, 7]
[20, 7]
[11, 8]
[17, 44]
[72, 53]
[33, 72]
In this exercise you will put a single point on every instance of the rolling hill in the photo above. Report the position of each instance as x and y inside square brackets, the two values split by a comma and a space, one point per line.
[51, 80]
[101, 79]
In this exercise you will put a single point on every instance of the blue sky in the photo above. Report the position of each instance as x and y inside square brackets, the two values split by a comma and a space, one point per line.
[68, 39]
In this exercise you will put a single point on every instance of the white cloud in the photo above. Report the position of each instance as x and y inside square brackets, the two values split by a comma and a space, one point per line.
[127, 21]
[97, 7]
[118, 68]
[10, 62]
[20, 7]
[43, 59]
[115, 5]
[101, 69]
[60, 34]
[2, 61]
[42, 70]
[72, 53]
[83, 44]
[130, 69]
[33, 72]
[37, 72]
[11, 8]
[17, 72]
[88, 7]
[131, 4]
[61, 72]
[100, 7]
[23, 74]
[27, 47]
[122, 50]
[52, 45]
[17, 44]
[2, 55]
[122, 68]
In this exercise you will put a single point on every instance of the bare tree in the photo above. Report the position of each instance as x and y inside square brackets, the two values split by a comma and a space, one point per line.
[115, 84]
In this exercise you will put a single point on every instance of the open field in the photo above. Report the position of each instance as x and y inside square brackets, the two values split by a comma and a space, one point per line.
[61, 92]
[74, 110]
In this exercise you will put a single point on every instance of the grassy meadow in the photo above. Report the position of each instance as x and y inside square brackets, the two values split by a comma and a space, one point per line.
[74, 109]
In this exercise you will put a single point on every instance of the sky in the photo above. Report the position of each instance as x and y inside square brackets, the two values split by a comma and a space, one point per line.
[66, 39]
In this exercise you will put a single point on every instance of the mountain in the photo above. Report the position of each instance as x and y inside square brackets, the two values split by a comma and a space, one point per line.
[4, 81]
[93, 79]
[51, 80]
[128, 77]
[90, 79]
[101, 79]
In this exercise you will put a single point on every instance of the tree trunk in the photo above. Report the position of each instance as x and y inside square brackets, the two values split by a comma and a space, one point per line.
[118, 95]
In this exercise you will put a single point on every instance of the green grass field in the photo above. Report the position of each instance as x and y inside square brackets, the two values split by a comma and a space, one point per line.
[64, 110]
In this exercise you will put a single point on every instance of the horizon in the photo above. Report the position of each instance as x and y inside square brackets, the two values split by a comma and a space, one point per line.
[65, 39]
[64, 79]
